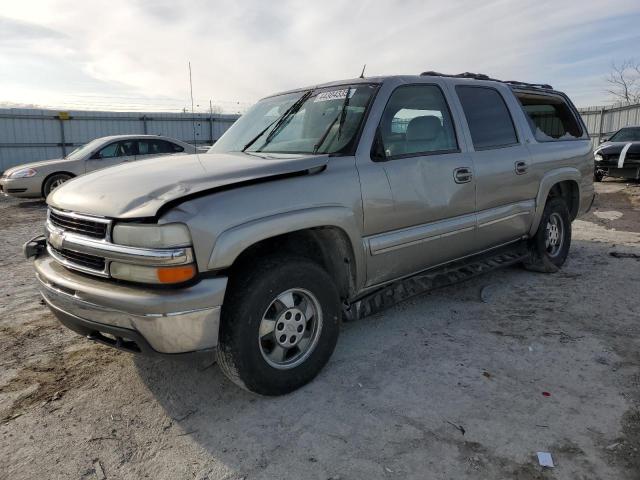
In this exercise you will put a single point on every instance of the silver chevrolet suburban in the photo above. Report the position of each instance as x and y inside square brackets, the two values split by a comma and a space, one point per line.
[319, 204]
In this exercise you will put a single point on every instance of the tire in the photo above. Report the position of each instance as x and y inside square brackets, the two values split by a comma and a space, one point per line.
[259, 317]
[550, 245]
[598, 176]
[53, 182]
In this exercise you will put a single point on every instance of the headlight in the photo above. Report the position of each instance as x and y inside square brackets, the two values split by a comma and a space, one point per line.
[599, 157]
[157, 275]
[23, 173]
[152, 236]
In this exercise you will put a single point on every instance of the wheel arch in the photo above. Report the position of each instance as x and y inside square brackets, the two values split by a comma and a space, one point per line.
[61, 172]
[328, 235]
[562, 182]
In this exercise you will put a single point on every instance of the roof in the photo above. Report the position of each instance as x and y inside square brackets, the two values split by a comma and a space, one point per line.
[133, 135]
[462, 76]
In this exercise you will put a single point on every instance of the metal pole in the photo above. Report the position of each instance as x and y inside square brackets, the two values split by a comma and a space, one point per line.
[211, 122]
[144, 124]
[62, 139]
[193, 115]
[602, 110]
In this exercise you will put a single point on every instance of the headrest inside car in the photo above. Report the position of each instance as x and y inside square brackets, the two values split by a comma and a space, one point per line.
[427, 127]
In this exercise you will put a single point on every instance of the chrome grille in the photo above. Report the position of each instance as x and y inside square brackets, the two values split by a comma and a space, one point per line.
[82, 225]
[95, 229]
[81, 259]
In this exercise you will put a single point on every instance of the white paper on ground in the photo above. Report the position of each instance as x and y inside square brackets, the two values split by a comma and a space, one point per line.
[545, 460]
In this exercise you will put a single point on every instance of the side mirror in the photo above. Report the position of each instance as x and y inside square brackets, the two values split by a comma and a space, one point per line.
[95, 156]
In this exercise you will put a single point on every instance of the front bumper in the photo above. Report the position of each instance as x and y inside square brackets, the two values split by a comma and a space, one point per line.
[21, 187]
[627, 171]
[133, 318]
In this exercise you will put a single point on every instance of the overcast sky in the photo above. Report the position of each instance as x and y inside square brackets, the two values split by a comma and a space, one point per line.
[134, 53]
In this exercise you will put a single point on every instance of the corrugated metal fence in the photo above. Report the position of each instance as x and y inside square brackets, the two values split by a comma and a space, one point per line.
[604, 121]
[28, 135]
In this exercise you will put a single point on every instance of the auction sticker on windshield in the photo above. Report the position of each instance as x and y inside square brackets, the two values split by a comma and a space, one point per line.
[334, 95]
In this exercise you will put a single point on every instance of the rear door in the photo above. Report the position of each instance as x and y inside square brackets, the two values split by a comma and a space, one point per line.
[418, 186]
[505, 187]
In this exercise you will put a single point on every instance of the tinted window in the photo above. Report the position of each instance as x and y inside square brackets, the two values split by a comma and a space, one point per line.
[128, 148]
[416, 120]
[488, 118]
[157, 147]
[549, 116]
[175, 147]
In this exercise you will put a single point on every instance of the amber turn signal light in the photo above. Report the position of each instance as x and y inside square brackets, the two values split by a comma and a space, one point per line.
[176, 274]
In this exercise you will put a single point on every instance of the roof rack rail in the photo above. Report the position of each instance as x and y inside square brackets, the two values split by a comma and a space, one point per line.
[482, 76]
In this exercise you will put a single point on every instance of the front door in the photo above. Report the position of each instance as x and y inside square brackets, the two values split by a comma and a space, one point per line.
[112, 154]
[428, 216]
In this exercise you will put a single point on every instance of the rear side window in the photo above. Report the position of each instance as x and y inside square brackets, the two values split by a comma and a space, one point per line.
[549, 117]
[175, 147]
[488, 117]
[155, 147]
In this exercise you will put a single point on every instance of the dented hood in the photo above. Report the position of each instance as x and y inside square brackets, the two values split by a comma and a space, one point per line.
[139, 189]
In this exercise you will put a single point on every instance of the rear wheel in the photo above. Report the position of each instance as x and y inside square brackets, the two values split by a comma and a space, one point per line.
[550, 245]
[53, 182]
[280, 325]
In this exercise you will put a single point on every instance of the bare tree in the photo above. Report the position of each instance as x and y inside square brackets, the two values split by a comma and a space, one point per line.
[624, 81]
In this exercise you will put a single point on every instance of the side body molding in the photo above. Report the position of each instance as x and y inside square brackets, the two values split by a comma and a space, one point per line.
[549, 180]
[232, 242]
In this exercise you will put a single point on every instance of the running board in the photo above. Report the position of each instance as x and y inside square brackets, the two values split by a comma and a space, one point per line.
[428, 280]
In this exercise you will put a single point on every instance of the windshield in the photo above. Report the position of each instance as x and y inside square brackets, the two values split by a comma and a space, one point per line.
[79, 152]
[627, 135]
[323, 120]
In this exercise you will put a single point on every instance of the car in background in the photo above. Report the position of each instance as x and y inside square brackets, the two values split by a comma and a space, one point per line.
[38, 179]
[619, 156]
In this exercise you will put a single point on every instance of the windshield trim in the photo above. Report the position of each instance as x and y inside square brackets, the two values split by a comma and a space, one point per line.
[346, 83]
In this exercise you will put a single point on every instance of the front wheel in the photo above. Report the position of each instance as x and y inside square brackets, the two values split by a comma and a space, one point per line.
[53, 182]
[280, 325]
[550, 245]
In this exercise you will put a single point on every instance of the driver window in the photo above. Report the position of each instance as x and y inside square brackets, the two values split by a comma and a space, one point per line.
[416, 121]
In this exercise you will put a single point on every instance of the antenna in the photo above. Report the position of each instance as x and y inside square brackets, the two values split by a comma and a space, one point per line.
[193, 115]
[362, 73]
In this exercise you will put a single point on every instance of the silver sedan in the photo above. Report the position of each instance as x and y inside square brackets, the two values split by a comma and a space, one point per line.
[38, 179]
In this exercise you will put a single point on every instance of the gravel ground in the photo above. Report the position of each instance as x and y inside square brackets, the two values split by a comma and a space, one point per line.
[468, 381]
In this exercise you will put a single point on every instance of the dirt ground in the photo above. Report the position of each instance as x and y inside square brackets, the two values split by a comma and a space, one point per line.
[465, 382]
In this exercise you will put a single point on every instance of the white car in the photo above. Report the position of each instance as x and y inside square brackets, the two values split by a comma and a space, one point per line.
[38, 179]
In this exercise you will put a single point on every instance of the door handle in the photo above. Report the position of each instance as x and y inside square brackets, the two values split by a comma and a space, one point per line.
[462, 175]
[521, 168]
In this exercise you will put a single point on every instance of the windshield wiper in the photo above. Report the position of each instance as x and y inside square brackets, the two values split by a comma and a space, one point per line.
[279, 122]
[341, 115]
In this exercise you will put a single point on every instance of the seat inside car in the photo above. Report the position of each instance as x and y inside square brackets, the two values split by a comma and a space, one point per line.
[425, 134]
